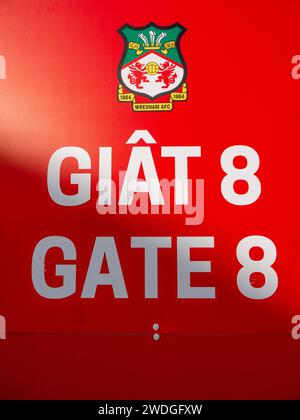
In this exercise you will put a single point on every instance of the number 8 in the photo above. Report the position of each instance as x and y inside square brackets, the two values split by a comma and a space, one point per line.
[253, 266]
[246, 174]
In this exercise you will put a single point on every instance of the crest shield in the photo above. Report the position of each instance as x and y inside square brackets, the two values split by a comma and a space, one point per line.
[152, 64]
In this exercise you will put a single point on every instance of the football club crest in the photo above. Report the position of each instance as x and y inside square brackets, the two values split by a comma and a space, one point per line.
[152, 72]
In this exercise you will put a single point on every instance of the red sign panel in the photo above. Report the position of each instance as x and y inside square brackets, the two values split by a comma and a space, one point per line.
[149, 200]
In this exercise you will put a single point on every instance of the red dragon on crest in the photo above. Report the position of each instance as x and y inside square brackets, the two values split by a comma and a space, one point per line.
[137, 74]
[166, 74]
